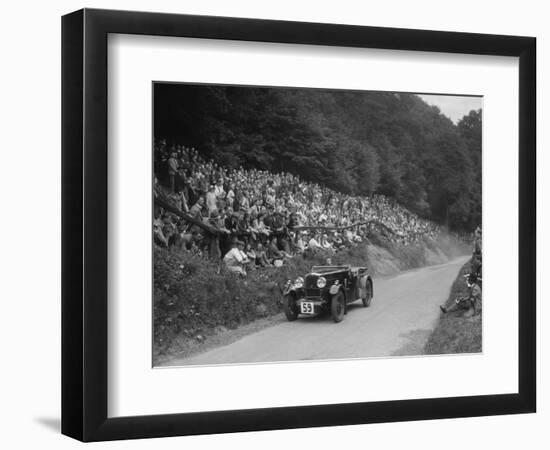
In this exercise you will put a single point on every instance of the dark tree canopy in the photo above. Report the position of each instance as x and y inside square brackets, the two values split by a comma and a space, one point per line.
[359, 143]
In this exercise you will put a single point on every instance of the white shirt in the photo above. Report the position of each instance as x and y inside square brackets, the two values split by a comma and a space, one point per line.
[233, 257]
[313, 243]
[230, 196]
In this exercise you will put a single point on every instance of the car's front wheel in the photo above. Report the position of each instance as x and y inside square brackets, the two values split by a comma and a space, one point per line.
[367, 299]
[338, 306]
[291, 309]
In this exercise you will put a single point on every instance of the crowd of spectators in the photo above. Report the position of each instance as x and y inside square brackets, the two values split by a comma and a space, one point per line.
[262, 218]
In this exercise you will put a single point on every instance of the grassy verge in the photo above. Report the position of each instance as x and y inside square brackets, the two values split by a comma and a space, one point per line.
[453, 332]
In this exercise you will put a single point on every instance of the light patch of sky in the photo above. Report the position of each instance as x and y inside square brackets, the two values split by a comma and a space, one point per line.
[455, 107]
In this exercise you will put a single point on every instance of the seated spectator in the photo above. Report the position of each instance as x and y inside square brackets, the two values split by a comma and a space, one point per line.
[168, 232]
[273, 253]
[313, 243]
[261, 256]
[250, 255]
[243, 202]
[299, 243]
[179, 201]
[234, 258]
[158, 235]
[325, 244]
[186, 240]
[253, 210]
[260, 225]
[283, 244]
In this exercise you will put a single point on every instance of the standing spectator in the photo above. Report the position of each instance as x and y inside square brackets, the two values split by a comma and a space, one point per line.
[476, 257]
[172, 170]
[214, 251]
[243, 203]
[179, 201]
[230, 196]
[218, 190]
[196, 210]
[211, 201]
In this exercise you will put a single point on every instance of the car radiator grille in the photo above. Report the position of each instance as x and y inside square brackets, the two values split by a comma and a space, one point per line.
[313, 292]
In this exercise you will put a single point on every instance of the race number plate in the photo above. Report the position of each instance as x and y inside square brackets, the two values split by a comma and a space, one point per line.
[306, 308]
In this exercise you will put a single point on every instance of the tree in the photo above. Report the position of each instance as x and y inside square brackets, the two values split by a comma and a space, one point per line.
[360, 143]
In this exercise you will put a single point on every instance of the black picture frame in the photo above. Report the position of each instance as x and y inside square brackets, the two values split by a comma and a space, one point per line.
[84, 224]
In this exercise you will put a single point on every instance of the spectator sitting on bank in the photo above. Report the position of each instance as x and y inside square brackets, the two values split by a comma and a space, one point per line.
[325, 244]
[471, 302]
[261, 256]
[274, 255]
[337, 241]
[186, 237]
[168, 233]
[179, 201]
[216, 221]
[250, 255]
[234, 258]
[258, 224]
[313, 243]
[300, 242]
[158, 235]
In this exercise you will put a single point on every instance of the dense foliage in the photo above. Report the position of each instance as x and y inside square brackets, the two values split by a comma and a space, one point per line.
[358, 143]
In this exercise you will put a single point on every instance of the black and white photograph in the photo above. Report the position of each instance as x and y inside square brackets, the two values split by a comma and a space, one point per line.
[300, 224]
[275, 225]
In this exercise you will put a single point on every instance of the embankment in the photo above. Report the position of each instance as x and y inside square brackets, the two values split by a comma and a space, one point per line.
[387, 258]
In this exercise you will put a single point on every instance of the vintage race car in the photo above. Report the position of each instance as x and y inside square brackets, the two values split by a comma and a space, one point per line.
[327, 288]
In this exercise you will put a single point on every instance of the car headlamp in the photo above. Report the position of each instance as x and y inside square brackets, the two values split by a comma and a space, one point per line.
[299, 282]
[321, 282]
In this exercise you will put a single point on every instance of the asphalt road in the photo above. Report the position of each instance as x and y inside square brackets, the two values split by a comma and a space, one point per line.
[400, 318]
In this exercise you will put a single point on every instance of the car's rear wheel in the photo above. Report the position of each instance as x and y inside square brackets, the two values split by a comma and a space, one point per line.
[338, 306]
[367, 299]
[291, 308]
